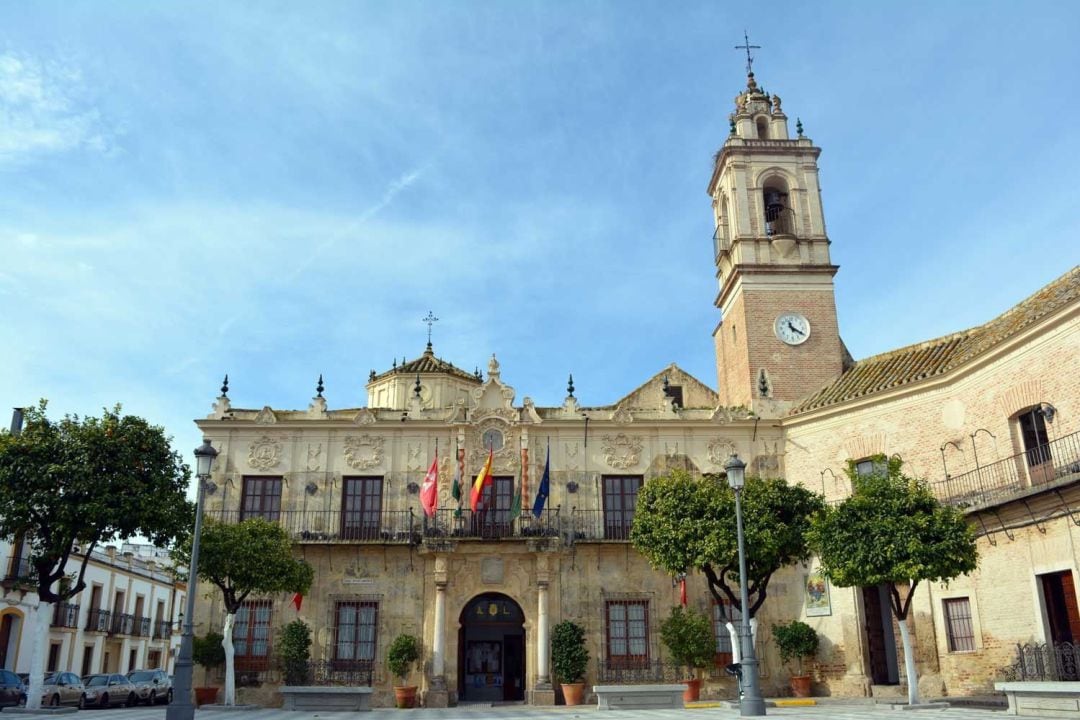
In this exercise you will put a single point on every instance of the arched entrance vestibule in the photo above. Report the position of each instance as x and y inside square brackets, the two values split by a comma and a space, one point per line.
[491, 650]
[11, 621]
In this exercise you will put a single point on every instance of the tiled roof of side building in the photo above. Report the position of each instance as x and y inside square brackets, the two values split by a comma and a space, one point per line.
[428, 363]
[910, 364]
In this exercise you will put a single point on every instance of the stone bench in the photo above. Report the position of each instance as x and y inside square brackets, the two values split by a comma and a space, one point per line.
[1059, 699]
[314, 697]
[638, 697]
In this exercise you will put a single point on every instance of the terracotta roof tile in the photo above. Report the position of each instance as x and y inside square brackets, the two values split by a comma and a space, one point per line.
[936, 357]
[428, 363]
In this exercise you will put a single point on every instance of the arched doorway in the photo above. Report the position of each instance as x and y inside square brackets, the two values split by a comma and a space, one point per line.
[491, 650]
[10, 632]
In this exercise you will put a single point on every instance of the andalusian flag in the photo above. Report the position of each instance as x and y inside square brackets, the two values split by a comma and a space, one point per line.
[545, 488]
[455, 488]
[483, 480]
[515, 507]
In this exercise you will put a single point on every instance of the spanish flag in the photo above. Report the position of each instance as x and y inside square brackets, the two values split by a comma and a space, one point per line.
[483, 480]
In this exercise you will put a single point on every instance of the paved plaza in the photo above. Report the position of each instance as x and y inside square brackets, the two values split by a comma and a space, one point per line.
[839, 711]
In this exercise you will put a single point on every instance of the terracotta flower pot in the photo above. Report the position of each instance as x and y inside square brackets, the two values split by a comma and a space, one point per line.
[692, 691]
[573, 692]
[405, 697]
[800, 685]
[205, 696]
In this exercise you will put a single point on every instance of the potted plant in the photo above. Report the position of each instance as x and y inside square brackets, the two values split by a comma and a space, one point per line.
[796, 640]
[294, 650]
[210, 653]
[569, 658]
[404, 652]
[688, 636]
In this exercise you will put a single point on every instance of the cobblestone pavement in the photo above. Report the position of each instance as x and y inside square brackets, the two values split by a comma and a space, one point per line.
[830, 711]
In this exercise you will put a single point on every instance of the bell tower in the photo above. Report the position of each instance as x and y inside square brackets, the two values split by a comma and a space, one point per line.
[777, 340]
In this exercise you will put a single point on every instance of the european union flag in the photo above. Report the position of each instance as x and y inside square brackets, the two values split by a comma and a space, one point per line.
[542, 493]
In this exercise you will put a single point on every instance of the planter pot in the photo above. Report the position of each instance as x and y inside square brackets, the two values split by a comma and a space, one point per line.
[692, 691]
[405, 697]
[800, 685]
[205, 696]
[573, 692]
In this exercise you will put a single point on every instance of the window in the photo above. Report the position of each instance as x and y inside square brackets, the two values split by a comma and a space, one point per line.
[361, 505]
[958, 627]
[723, 613]
[261, 498]
[354, 636]
[492, 517]
[1033, 433]
[871, 466]
[620, 499]
[627, 633]
[251, 636]
[54, 657]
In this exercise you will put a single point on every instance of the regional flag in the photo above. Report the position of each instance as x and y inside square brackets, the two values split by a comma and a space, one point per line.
[429, 490]
[455, 488]
[483, 480]
[545, 488]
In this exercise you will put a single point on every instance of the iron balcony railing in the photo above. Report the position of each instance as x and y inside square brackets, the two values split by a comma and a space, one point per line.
[334, 526]
[65, 615]
[122, 624]
[19, 569]
[490, 524]
[162, 629]
[599, 526]
[1041, 465]
[1046, 661]
[98, 620]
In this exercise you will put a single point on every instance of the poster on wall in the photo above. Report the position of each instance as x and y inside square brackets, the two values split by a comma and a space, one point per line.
[817, 595]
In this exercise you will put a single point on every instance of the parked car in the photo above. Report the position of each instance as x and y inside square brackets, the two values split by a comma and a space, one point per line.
[106, 690]
[62, 688]
[12, 689]
[152, 686]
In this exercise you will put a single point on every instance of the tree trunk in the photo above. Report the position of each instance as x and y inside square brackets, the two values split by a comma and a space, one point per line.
[42, 620]
[230, 652]
[909, 663]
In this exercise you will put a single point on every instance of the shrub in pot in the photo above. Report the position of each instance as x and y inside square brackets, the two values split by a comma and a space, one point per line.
[796, 641]
[210, 653]
[688, 636]
[569, 659]
[294, 651]
[402, 655]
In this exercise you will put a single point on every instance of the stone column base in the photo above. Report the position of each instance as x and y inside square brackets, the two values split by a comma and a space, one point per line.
[542, 694]
[436, 699]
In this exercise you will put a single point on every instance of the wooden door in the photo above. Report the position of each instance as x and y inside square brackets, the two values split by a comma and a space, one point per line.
[513, 668]
[875, 636]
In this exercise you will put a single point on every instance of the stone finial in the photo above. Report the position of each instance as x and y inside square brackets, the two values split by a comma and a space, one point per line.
[225, 386]
[798, 126]
[416, 388]
[479, 375]
[319, 387]
[776, 104]
[394, 365]
[371, 376]
[493, 367]
[570, 386]
[731, 122]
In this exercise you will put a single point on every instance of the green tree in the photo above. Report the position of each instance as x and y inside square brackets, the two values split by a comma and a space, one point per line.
[892, 530]
[81, 482]
[253, 557]
[688, 636]
[687, 523]
[294, 649]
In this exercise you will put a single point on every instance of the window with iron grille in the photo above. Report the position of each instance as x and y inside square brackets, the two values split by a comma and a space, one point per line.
[261, 498]
[1033, 433]
[958, 627]
[627, 633]
[361, 505]
[620, 500]
[723, 613]
[354, 634]
[251, 635]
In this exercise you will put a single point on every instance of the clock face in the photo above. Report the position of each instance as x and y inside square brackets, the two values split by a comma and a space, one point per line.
[792, 328]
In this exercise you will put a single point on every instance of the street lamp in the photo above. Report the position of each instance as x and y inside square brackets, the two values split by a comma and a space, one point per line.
[181, 707]
[751, 702]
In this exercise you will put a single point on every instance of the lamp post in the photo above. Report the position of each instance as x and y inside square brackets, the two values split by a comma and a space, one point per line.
[181, 708]
[751, 703]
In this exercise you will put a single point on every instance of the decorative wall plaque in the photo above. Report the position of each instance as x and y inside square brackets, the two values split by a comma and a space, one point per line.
[264, 453]
[491, 570]
[719, 450]
[364, 452]
[622, 452]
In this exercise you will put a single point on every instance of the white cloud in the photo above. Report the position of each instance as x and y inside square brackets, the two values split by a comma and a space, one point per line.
[42, 111]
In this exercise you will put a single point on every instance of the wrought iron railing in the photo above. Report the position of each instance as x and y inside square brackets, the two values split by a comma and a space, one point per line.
[334, 526]
[162, 629]
[122, 624]
[490, 524]
[65, 615]
[19, 569]
[1046, 661]
[1040, 465]
[599, 525]
[99, 620]
[611, 670]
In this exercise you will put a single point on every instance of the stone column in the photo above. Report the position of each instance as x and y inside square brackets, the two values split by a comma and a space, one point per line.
[437, 695]
[543, 693]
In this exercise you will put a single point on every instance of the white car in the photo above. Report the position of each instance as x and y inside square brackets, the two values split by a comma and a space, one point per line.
[152, 686]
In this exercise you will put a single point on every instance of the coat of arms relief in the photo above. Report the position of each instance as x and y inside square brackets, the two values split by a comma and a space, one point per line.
[363, 452]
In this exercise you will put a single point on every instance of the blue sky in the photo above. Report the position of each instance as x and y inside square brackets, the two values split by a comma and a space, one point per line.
[278, 190]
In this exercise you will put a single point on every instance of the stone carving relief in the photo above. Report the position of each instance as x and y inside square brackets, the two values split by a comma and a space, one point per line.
[314, 453]
[413, 462]
[364, 417]
[622, 452]
[622, 416]
[719, 450]
[767, 463]
[364, 452]
[724, 415]
[571, 451]
[266, 416]
[264, 453]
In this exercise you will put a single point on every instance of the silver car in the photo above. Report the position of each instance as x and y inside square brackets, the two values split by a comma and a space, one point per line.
[63, 688]
[152, 686]
[106, 690]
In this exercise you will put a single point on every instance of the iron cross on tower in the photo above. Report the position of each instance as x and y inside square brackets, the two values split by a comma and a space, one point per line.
[430, 320]
[748, 47]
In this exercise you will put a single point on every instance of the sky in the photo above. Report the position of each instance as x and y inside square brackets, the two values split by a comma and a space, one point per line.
[278, 190]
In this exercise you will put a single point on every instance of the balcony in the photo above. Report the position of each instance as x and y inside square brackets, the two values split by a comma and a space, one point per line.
[1044, 467]
[162, 629]
[332, 526]
[127, 624]
[490, 525]
[65, 615]
[599, 526]
[99, 620]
